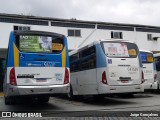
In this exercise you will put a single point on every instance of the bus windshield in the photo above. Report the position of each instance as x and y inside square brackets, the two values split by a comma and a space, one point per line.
[146, 57]
[120, 49]
[35, 43]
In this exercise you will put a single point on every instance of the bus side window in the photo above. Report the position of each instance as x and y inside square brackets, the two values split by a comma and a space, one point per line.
[88, 58]
[74, 66]
[157, 61]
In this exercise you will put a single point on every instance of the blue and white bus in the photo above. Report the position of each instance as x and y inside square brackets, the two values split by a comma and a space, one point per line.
[149, 70]
[37, 65]
[106, 67]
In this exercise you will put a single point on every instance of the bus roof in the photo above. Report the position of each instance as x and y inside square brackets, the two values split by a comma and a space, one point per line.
[141, 50]
[156, 55]
[96, 42]
[120, 40]
[32, 32]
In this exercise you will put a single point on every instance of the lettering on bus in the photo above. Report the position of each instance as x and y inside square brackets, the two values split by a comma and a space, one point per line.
[57, 46]
[148, 71]
[25, 37]
[132, 70]
[58, 76]
[27, 75]
[49, 64]
[132, 52]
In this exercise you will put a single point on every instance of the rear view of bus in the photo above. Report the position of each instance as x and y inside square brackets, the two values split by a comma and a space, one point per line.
[123, 73]
[149, 70]
[37, 65]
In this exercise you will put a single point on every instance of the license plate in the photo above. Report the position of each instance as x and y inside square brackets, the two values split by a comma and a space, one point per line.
[41, 80]
[124, 81]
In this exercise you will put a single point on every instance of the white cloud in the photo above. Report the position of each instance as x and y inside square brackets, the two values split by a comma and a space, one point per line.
[119, 11]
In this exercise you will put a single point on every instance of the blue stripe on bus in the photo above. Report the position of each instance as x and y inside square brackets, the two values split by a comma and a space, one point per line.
[38, 60]
[100, 57]
[10, 60]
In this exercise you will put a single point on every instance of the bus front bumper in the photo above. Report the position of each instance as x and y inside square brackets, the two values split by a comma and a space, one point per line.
[36, 90]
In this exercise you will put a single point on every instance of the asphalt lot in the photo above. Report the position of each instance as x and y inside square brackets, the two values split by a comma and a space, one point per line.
[60, 106]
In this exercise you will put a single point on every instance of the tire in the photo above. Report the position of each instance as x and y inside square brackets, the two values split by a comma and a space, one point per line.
[43, 99]
[158, 88]
[98, 97]
[70, 94]
[9, 100]
[6, 101]
[127, 95]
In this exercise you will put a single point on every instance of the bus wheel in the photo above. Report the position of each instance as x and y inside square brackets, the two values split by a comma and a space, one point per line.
[98, 97]
[9, 100]
[127, 95]
[44, 99]
[6, 100]
[70, 94]
[158, 88]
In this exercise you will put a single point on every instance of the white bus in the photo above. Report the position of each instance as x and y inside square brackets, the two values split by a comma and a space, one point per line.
[157, 62]
[37, 66]
[149, 70]
[106, 67]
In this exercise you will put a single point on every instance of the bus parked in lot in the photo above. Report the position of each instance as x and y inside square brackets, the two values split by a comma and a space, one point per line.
[37, 66]
[149, 70]
[157, 62]
[106, 67]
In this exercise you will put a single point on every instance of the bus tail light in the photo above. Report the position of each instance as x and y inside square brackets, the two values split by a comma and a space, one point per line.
[104, 78]
[142, 77]
[12, 77]
[155, 77]
[66, 76]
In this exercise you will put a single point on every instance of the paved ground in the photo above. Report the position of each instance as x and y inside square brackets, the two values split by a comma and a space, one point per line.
[109, 106]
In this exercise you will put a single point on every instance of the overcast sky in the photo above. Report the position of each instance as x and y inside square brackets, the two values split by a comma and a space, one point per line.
[145, 12]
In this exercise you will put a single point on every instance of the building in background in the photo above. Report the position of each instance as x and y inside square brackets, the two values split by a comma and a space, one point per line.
[78, 32]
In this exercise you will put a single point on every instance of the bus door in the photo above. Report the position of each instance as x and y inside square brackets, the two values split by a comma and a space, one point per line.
[87, 75]
[123, 66]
